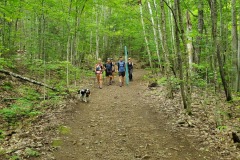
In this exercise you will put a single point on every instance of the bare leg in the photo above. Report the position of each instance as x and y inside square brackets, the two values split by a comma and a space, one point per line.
[110, 80]
[120, 81]
[100, 81]
[112, 76]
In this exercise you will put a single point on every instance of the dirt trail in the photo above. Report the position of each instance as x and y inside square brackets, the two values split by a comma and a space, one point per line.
[119, 124]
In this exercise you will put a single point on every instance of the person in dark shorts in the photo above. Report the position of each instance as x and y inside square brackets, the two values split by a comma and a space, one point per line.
[108, 68]
[113, 69]
[130, 69]
[121, 71]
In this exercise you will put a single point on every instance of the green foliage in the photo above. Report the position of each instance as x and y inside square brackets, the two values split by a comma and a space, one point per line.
[162, 80]
[28, 93]
[6, 63]
[64, 130]
[57, 143]
[2, 136]
[2, 62]
[7, 86]
[14, 158]
[32, 153]
[56, 72]
[21, 109]
[221, 128]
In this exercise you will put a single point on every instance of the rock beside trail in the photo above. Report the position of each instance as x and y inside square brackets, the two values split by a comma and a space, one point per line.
[154, 84]
[236, 137]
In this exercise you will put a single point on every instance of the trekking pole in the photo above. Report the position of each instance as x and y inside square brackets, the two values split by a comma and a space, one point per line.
[126, 65]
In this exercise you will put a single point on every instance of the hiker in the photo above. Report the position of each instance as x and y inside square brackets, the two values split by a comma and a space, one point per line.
[113, 69]
[99, 71]
[108, 68]
[121, 71]
[130, 69]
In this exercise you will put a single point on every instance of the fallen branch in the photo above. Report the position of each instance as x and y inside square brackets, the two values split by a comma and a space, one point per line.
[27, 79]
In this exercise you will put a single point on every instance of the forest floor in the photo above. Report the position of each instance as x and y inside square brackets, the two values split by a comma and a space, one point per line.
[125, 123]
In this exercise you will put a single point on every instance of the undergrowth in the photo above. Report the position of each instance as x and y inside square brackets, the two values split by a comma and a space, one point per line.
[29, 104]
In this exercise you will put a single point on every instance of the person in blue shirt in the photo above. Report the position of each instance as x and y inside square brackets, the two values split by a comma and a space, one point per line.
[121, 71]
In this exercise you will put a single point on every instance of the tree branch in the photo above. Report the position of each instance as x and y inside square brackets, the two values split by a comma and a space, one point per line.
[27, 79]
[175, 20]
[189, 10]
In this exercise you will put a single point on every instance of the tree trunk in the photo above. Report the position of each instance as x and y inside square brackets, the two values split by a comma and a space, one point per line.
[190, 62]
[97, 37]
[165, 48]
[174, 60]
[213, 7]
[179, 54]
[158, 24]
[181, 27]
[234, 46]
[238, 65]
[200, 32]
[222, 73]
[155, 34]
[68, 48]
[145, 36]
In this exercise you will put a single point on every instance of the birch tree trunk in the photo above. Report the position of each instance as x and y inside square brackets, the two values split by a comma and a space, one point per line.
[68, 48]
[97, 45]
[145, 36]
[165, 48]
[75, 37]
[97, 36]
[90, 45]
[69, 44]
[190, 61]
[158, 24]
[155, 34]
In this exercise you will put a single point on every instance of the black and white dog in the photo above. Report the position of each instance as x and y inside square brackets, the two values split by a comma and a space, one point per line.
[84, 94]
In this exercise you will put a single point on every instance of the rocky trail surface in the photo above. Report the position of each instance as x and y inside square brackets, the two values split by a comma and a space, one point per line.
[121, 123]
